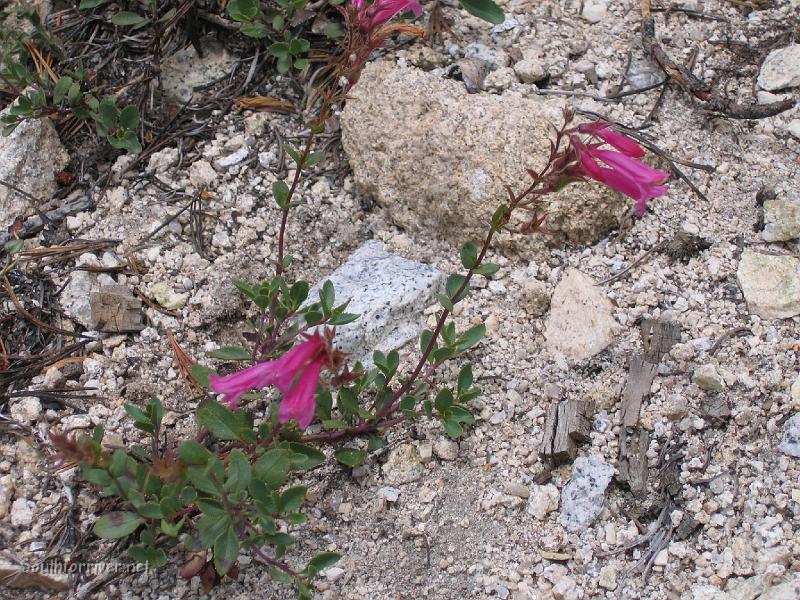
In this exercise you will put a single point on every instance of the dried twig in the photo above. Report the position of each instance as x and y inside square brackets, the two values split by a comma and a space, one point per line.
[699, 89]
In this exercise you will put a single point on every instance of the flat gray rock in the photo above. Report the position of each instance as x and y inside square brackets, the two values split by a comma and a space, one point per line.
[770, 284]
[583, 496]
[781, 220]
[389, 292]
[184, 70]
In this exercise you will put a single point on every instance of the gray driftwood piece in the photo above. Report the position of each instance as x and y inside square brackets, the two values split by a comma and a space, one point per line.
[567, 424]
[632, 465]
[115, 310]
[640, 377]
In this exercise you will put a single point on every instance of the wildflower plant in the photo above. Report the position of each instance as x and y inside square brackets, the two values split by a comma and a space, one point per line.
[237, 485]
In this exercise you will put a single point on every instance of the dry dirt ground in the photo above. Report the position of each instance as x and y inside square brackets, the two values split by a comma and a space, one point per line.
[478, 522]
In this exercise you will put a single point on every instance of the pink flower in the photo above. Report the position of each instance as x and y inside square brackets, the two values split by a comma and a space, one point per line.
[295, 374]
[382, 11]
[626, 174]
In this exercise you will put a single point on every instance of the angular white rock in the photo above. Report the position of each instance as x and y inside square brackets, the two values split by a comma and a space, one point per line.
[581, 322]
[389, 292]
[770, 284]
[781, 69]
[781, 221]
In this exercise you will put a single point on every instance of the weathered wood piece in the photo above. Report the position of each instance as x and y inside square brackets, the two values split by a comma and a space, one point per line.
[115, 310]
[640, 377]
[658, 337]
[566, 425]
[632, 465]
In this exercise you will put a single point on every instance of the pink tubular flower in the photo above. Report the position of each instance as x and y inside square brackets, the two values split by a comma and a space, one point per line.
[382, 11]
[626, 174]
[295, 374]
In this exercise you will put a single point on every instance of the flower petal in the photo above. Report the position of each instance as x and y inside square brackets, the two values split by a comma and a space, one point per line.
[233, 386]
[300, 404]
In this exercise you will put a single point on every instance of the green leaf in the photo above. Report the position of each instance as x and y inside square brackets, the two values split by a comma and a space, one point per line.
[304, 457]
[87, 4]
[283, 64]
[154, 557]
[470, 337]
[13, 247]
[62, 87]
[487, 269]
[125, 140]
[223, 423]
[281, 193]
[129, 117]
[150, 510]
[200, 374]
[74, 96]
[464, 379]
[243, 10]
[238, 472]
[327, 296]
[484, 9]
[443, 401]
[500, 216]
[116, 525]
[454, 283]
[98, 477]
[352, 457]
[343, 319]
[425, 340]
[273, 467]
[127, 19]
[226, 550]
[469, 255]
[254, 30]
[230, 353]
[192, 453]
[444, 300]
[298, 293]
[333, 31]
[321, 562]
[292, 499]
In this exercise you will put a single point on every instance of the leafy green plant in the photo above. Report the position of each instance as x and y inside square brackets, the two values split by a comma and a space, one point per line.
[71, 95]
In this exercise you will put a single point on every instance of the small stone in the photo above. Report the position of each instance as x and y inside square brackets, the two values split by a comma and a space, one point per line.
[594, 11]
[256, 123]
[530, 70]
[22, 512]
[390, 494]
[581, 322]
[494, 57]
[608, 577]
[707, 377]
[644, 73]
[425, 452]
[543, 500]
[201, 174]
[790, 440]
[794, 392]
[162, 160]
[662, 558]
[566, 589]
[770, 284]
[536, 297]
[781, 69]
[26, 410]
[518, 490]
[234, 158]
[500, 79]
[333, 573]
[781, 220]
[403, 465]
[446, 449]
[389, 292]
[7, 487]
[794, 128]
[583, 497]
[167, 297]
